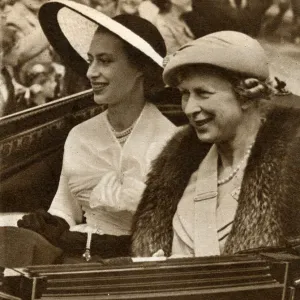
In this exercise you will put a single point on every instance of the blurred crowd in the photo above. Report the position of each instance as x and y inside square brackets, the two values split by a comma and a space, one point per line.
[32, 74]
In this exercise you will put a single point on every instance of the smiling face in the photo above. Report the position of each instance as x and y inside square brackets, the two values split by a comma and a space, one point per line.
[113, 78]
[211, 105]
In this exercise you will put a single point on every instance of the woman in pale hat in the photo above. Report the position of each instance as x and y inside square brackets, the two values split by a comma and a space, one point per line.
[229, 181]
[107, 157]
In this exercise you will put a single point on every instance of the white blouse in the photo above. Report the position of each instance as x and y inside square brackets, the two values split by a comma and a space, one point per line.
[102, 180]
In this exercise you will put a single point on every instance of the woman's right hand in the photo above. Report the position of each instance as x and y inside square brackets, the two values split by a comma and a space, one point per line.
[47, 225]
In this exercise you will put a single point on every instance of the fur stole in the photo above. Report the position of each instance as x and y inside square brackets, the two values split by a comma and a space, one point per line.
[268, 212]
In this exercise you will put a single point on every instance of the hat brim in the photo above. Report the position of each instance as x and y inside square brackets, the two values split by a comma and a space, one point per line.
[70, 27]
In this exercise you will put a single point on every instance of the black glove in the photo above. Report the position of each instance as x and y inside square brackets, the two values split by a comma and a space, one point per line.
[47, 225]
[104, 245]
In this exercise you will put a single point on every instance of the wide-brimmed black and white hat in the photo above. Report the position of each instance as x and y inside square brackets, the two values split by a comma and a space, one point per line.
[70, 27]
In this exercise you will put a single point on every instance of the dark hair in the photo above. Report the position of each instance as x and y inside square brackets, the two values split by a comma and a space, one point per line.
[163, 5]
[146, 30]
[153, 82]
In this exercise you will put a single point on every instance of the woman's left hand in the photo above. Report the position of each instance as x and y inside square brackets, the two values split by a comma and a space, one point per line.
[47, 225]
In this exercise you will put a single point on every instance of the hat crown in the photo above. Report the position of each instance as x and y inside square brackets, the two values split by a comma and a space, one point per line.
[233, 38]
[146, 30]
[231, 50]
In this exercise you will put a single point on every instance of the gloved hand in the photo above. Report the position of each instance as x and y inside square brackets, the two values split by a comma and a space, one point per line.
[47, 225]
[104, 245]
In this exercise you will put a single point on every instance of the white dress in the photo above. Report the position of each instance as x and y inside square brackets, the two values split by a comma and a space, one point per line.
[102, 180]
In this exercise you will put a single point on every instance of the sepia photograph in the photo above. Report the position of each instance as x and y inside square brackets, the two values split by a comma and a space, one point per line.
[150, 149]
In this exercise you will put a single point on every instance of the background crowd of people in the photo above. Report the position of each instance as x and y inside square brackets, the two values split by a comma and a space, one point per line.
[33, 74]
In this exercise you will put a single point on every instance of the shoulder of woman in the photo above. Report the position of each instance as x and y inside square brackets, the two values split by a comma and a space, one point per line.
[86, 129]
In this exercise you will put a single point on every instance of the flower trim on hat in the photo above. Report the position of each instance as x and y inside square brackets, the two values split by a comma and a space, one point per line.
[280, 87]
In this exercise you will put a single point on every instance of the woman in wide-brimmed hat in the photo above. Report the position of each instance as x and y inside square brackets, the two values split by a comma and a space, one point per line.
[106, 158]
[228, 182]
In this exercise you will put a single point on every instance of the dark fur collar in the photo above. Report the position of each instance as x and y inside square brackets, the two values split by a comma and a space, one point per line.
[268, 207]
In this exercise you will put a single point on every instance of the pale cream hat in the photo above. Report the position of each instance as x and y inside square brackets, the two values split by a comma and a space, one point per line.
[230, 50]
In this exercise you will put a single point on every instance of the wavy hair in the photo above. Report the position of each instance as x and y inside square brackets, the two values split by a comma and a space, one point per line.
[246, 87]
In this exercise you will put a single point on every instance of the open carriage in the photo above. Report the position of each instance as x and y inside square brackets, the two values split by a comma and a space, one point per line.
[262, 276]
[31, 146]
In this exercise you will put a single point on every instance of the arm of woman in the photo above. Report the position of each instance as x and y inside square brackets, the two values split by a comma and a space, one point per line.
[64, 205]
[63, 213]
[47, 225]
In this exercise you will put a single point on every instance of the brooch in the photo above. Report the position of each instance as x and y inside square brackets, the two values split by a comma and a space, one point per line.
[236, 193]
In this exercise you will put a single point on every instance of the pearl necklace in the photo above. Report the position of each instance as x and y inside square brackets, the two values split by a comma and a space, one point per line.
[123, 139]
[122, 135]
[237, 168]
[124, 132]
